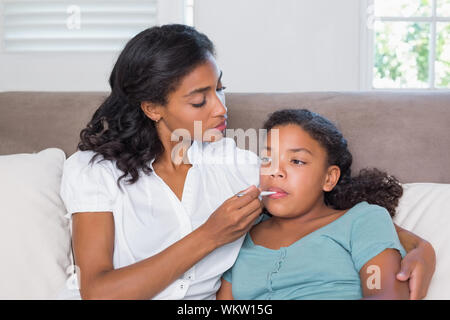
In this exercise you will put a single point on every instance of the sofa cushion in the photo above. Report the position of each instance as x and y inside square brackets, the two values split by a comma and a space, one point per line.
[34, 235]
[424, 209]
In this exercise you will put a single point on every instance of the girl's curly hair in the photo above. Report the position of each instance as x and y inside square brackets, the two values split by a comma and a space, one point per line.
[149, 68]
[371, 185]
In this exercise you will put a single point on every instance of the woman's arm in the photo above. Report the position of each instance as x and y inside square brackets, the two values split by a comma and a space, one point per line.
[418, 265]
[93, 243]
[408, 239]
[225, 291]
[378, 277]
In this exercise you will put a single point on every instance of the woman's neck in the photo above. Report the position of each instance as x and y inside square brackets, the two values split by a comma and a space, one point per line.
[175, 152]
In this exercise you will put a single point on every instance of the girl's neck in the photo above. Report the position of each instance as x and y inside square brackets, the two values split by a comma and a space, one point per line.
[317, 211]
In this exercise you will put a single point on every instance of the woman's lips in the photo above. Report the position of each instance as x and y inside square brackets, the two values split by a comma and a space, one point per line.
[280, 193]
[222, 126]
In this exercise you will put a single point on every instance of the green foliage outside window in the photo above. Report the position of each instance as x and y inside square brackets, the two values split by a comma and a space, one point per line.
[402, 48]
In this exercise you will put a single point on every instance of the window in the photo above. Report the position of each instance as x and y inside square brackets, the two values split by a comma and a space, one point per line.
[408, 44]
[79, 25]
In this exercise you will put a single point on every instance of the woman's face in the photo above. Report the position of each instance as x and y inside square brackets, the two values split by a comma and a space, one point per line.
[199, 97]
[302, 173]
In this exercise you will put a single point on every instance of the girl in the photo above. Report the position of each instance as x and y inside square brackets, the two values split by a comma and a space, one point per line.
[330, 236]
[143, 225]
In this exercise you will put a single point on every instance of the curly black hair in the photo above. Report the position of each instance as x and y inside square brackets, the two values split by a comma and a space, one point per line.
[150, 67]
[371, 184]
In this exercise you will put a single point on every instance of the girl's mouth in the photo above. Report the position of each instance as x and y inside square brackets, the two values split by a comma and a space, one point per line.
[280, 193]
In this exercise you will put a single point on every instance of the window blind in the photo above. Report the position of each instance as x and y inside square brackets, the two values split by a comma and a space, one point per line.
[95, 25]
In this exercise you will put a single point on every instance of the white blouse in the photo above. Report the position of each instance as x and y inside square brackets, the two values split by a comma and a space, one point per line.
[149, 217]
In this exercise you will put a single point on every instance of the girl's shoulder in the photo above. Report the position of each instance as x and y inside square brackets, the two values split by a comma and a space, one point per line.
[362, 214]
[364, 209]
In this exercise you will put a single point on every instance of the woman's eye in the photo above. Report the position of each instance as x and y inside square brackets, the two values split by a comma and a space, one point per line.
[297, 161]
[198, 105]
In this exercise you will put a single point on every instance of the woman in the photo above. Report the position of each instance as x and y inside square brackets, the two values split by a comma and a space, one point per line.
[174, 227]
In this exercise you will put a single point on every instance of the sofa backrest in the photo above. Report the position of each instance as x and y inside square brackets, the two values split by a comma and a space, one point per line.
[404, 133]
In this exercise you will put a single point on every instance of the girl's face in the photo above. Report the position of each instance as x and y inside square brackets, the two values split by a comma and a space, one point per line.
[302, 173]
[198, 97]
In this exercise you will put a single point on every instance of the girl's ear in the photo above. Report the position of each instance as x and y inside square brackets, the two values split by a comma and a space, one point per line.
[331, 178]
[152, 110]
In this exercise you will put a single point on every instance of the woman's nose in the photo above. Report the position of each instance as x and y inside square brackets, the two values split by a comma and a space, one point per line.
[220, 108]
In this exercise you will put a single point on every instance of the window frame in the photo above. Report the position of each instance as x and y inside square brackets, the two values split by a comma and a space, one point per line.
[367, 46]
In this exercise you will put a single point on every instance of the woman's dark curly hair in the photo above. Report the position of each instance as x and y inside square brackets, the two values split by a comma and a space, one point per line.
[150, 67]
[371, 185]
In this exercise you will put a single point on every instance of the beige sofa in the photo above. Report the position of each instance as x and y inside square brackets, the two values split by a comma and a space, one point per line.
[407, 134]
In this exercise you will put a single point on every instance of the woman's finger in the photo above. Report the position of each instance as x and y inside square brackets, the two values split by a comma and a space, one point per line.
[416, 284]
[251, 194]
[255, 204]
[405, 270]
[251, 218]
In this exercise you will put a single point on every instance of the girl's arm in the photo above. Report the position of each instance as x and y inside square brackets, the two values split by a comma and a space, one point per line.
[378, 277]
[225, 291]
[418, 265]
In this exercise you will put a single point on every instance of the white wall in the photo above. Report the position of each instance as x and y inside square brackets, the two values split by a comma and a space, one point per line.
[263, 46]
[55, 71]
[284, 45]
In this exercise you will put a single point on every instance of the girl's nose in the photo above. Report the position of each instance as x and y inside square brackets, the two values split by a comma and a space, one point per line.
[278, 173]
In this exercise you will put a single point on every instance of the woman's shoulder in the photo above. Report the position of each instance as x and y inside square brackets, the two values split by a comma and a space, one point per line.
[83, 160]
[87, 186]
[79, 168]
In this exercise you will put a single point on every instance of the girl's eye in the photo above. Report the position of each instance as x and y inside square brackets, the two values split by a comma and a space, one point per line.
[221, 88]
[297, 161]
[266, 160]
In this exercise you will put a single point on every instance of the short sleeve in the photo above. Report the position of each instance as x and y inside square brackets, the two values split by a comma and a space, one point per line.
[227, 275]
[372, 232]
[87, 187]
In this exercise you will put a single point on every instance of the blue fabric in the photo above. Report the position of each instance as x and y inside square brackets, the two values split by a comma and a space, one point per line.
[324, 264]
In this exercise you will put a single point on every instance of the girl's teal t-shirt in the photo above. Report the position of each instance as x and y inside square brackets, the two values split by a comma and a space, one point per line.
[324, 264]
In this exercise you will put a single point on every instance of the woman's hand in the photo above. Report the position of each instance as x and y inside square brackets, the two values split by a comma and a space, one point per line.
[418, 265]
[234, 217]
